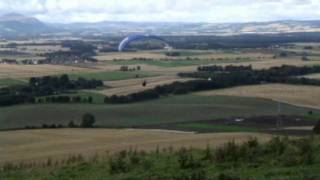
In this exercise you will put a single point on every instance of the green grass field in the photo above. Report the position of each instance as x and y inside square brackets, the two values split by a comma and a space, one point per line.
[171, 109]
[112, 76]
[203, 127]
[11, 82]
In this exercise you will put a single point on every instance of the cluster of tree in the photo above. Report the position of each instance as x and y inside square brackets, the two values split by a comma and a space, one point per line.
[44, 86]
[80, 47]
[87, 121]
[48, 85]
[127, 68]
[308, 48]
[262, 75]
[173, 54]
[229, 68]
[62, 57]
[135, 97]
[65, 99]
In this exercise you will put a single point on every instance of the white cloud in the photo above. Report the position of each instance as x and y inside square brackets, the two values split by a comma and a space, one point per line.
[164, 10]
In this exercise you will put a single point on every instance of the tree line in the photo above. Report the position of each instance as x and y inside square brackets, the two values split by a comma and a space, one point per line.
[44, 86]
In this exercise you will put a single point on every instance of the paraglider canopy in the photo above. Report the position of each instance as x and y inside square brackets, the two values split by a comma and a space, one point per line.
[126, 41]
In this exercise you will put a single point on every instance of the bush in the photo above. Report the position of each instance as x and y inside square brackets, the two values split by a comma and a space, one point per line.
[186, 159]
[228, 153]
[316, 129]
[71, 124]
[87, 120]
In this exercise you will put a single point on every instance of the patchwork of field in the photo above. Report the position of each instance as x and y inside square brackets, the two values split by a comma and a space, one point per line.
[125, 87]
[171, 109]
[308, 96]
[33, 145]
[200, 54]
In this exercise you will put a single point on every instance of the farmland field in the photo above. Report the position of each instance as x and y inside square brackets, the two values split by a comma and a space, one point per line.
[112, 76]
[174, 109]
[125, 87]
[32, 145]
[307, 96]
[24, 71]
[313, 76]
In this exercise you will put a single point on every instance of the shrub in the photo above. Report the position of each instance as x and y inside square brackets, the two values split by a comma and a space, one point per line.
[87, 120]
[316, 129]
[223, 176]
[186, 159]
[228, 153]
[71, 124]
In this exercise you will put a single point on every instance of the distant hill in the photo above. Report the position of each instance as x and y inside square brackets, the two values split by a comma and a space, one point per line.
[196, 28]
[17, 25]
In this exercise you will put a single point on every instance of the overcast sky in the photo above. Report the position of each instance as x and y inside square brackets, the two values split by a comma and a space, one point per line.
[164, 10]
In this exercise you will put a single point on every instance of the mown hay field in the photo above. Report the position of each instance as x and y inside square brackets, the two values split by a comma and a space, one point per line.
[308, 96]
[313, 76]
[33, 145]
[125, 87]
[23, 71]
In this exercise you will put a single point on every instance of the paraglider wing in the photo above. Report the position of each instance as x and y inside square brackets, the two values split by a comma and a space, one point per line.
[126, 41]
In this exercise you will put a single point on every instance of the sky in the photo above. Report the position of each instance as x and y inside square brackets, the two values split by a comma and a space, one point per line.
[215, 11]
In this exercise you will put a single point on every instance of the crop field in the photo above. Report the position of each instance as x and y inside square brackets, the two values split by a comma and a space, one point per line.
[307, 96]
[112, 76]
[33, 145]
[24, 71]
[11, 82]
[179, 63]
[125, 87]
[313, 76]
[186, 108]
[200, 54]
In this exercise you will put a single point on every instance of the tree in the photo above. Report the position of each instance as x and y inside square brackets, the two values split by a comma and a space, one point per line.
[87, 120]
[316, 128]
[71, 124]
[90, 99]
[144, 83]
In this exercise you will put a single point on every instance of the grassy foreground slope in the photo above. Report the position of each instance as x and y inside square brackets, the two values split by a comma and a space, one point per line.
[165, 110]
[277, 159]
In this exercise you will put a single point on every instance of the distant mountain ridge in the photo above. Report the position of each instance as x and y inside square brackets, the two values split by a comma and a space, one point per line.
[17, 25]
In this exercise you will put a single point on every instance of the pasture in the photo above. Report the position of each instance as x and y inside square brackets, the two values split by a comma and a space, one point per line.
[175, 109]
